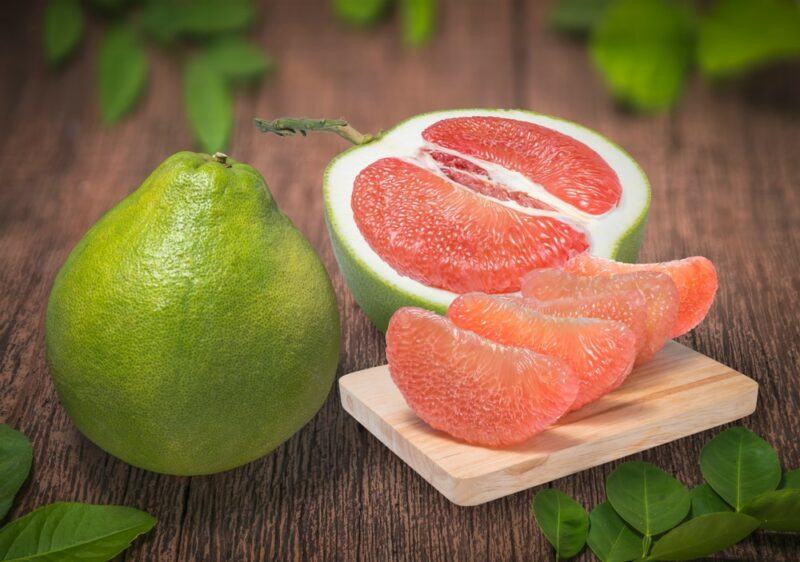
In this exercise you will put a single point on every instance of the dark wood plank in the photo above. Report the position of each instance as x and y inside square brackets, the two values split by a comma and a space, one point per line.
[724, 172]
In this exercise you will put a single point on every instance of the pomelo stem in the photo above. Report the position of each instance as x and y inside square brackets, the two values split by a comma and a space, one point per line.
[286, 126]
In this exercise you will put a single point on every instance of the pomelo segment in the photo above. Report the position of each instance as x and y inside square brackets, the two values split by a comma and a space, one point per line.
[658, 289]
[694, 277]
[599, 352]
[628, 307]
[562, 165]
[445, 236]
[429, 268]
[474, 389]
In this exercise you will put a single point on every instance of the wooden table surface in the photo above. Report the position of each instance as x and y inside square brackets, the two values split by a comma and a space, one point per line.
[725, 169]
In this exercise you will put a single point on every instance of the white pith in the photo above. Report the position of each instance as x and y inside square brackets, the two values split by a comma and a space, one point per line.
[405, 141]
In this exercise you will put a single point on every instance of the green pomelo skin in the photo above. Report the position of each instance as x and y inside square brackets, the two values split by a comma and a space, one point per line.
[379, 298]
[193, 329]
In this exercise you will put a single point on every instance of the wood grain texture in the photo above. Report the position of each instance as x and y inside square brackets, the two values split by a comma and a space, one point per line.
[678, 393]
[725, 173]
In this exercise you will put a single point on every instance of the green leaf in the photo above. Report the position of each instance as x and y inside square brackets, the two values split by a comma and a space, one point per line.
[161, 20]
[16, 457]
[64, 25]
[211, 17]
[122, 72]
[209, 104]
[360, 12]
[109, 5]
[705, 500]
[577, 16]
[740, 465]
[643, 49]
[703, 536]
[418, 19]
[791, 479]
[648, 498]
[778, 510]
[610, 538]
[739, 35]
[73, 532]
[238, 59]
[563, 521]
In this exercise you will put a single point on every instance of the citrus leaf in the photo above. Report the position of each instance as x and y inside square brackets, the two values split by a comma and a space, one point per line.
[703, 536]
[122, 72]
[648, 498]
[643, 49]
[16, 457]
[563, 521]
[610, 538]
[705, 500]
[238, 59]
[161, 20]
[738, 35]
[418, 19]
[64, 26]
[739, 465]
[209, 105]
[360, 12]
[73, 532]
[109, 5]
[577, 16]
[778, 510]
[211, 17]
[791, 479]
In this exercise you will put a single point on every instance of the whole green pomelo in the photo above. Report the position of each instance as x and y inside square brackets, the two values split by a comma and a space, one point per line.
[193, 328]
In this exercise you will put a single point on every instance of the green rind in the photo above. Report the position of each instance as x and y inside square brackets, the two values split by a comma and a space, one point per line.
[379, 298]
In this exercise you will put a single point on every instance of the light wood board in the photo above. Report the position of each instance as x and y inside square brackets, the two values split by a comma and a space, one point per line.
[678, 393]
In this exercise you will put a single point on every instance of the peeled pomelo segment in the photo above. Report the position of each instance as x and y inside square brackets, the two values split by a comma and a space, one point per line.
[658, 290]
[599, 352]
[449, 237]
[562, 165]
[695, 278]
[628, 307]
[474, 389]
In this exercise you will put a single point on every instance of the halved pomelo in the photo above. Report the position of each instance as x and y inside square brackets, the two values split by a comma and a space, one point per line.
[658, 289]
[471, 200]
[472, 388]
[628, 307]
[695, 278]
[599, 352]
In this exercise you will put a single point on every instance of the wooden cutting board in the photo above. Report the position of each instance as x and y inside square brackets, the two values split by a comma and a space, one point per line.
[678, 393]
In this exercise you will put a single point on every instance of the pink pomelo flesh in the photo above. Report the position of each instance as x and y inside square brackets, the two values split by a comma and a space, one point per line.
[694, 277]
[599, 352]
[471, 388]
[446, 236]
[658, 290]
[628, 307]
[482, 202]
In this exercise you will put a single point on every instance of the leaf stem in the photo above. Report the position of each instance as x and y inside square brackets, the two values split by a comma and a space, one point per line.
[286, 126]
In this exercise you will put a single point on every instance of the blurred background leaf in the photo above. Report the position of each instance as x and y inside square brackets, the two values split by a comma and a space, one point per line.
[360, 12]
[418, 18]
[577, 16]
[644, 48]
[238, 59]
[209, 104]
[739, 35]
[64, 26]
[209, 17]
[122, 71]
